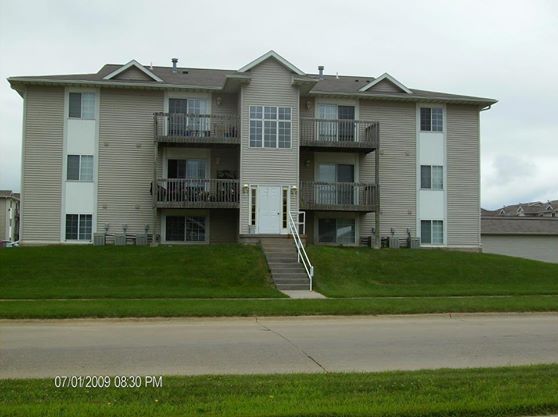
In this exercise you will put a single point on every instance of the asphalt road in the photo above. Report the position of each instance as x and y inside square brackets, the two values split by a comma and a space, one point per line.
[270, 345]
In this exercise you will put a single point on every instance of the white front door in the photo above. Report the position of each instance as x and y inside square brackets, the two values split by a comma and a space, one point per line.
[269, 210]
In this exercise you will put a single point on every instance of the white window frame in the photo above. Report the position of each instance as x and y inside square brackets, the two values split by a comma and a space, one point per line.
[431, 188]
[441, 108]
[82, 93]
[275, 120]
[432, 233]
[78, 227]
[80, 179]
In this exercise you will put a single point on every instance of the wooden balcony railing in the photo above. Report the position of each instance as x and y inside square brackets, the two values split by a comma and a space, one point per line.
[335, 133]
[341, 196]
[191, 193]
[197, 128]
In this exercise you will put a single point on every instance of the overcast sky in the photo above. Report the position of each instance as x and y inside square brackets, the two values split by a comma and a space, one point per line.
[507, 50]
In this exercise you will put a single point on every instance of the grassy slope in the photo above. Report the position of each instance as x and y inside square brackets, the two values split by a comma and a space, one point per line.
[134, 272]
[279, 307]
[349, 272]
[467, 392]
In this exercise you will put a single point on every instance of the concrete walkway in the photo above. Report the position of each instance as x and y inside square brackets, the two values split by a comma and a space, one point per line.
[303, 294]
[266, 345]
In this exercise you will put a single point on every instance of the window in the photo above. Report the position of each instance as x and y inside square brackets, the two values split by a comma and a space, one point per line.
[175, 228]
[187, 168]
[270, 127]
[431, 119]
[285, 207]
[185, 228]
[432, 232]
[78, 226]
[336, 184]
[82, 106]
[253, 206]
[340, 231]
[80, 168]
[189, 117]
[431, 177]
[338, 122]
[195, 229]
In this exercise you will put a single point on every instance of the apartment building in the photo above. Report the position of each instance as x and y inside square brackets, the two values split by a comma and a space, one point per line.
[196, 156]
[9, 215]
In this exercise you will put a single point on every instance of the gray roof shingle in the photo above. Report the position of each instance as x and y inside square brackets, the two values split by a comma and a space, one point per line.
[215, 79]
[519, 226]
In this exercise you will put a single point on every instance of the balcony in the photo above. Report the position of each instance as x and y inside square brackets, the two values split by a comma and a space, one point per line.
[197, 129]
[203, 193]
[339, 135]
[337, 196]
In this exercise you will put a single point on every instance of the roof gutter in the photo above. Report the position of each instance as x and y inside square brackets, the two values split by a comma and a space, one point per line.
[412, 98]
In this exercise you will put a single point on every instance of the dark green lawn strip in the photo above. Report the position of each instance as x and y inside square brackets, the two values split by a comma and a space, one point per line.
[490, 392]
[222, 308]
[353, 272]
[206, 271]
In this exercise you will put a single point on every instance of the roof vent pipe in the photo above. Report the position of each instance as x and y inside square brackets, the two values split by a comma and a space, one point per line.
[174, 62]
[321, 72]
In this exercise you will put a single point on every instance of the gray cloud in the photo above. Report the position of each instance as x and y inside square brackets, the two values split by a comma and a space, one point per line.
[500, 49]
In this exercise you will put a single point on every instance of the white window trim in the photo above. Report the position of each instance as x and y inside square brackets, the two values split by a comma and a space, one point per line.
[63, 175]
[431, 107]
[433, 245]
[445, 171]
[79, 241]
[82, 92]
[277, 120]
[431, 182]
[79, 170]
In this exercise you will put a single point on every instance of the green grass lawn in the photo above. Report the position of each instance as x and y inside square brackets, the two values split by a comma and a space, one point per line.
[364, 272]
[489, 392]
[135, 272]
[54, 309]
[165, 281]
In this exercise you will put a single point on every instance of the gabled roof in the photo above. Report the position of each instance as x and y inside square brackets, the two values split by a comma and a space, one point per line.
[268, 55]
[385, 76]
[207, 79]
[132, 63]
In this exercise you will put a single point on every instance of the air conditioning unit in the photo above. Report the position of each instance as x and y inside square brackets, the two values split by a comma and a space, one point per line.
[99, 239]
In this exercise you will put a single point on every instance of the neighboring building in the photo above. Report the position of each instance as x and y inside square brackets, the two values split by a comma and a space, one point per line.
[232, 152]
[9, 215]
[526, 237]
[533, 209]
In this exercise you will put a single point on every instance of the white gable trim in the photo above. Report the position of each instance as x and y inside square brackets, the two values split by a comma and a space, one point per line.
[133, 63]
[388, 77]
[271, 54]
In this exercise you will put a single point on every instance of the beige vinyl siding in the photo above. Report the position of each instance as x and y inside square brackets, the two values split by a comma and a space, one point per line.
[385, 86]
[228, 106]
[134, 74]
[224, 159]
[223, 226]
[270, 85]
[126, 159]
[307, 165]
[42, 164]
[307, 107]
[4, 219]
[463, 175]
[397, 167]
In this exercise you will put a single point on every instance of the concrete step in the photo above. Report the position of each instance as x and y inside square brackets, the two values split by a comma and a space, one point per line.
[289, 275]
[280, 258]
[307, 283]
[287, 269]
[293, 287]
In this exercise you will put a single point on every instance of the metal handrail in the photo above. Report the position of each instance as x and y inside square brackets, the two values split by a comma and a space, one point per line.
[302, 256]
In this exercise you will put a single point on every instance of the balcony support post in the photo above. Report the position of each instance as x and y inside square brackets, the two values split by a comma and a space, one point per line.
[378, 234]
[154, 186]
